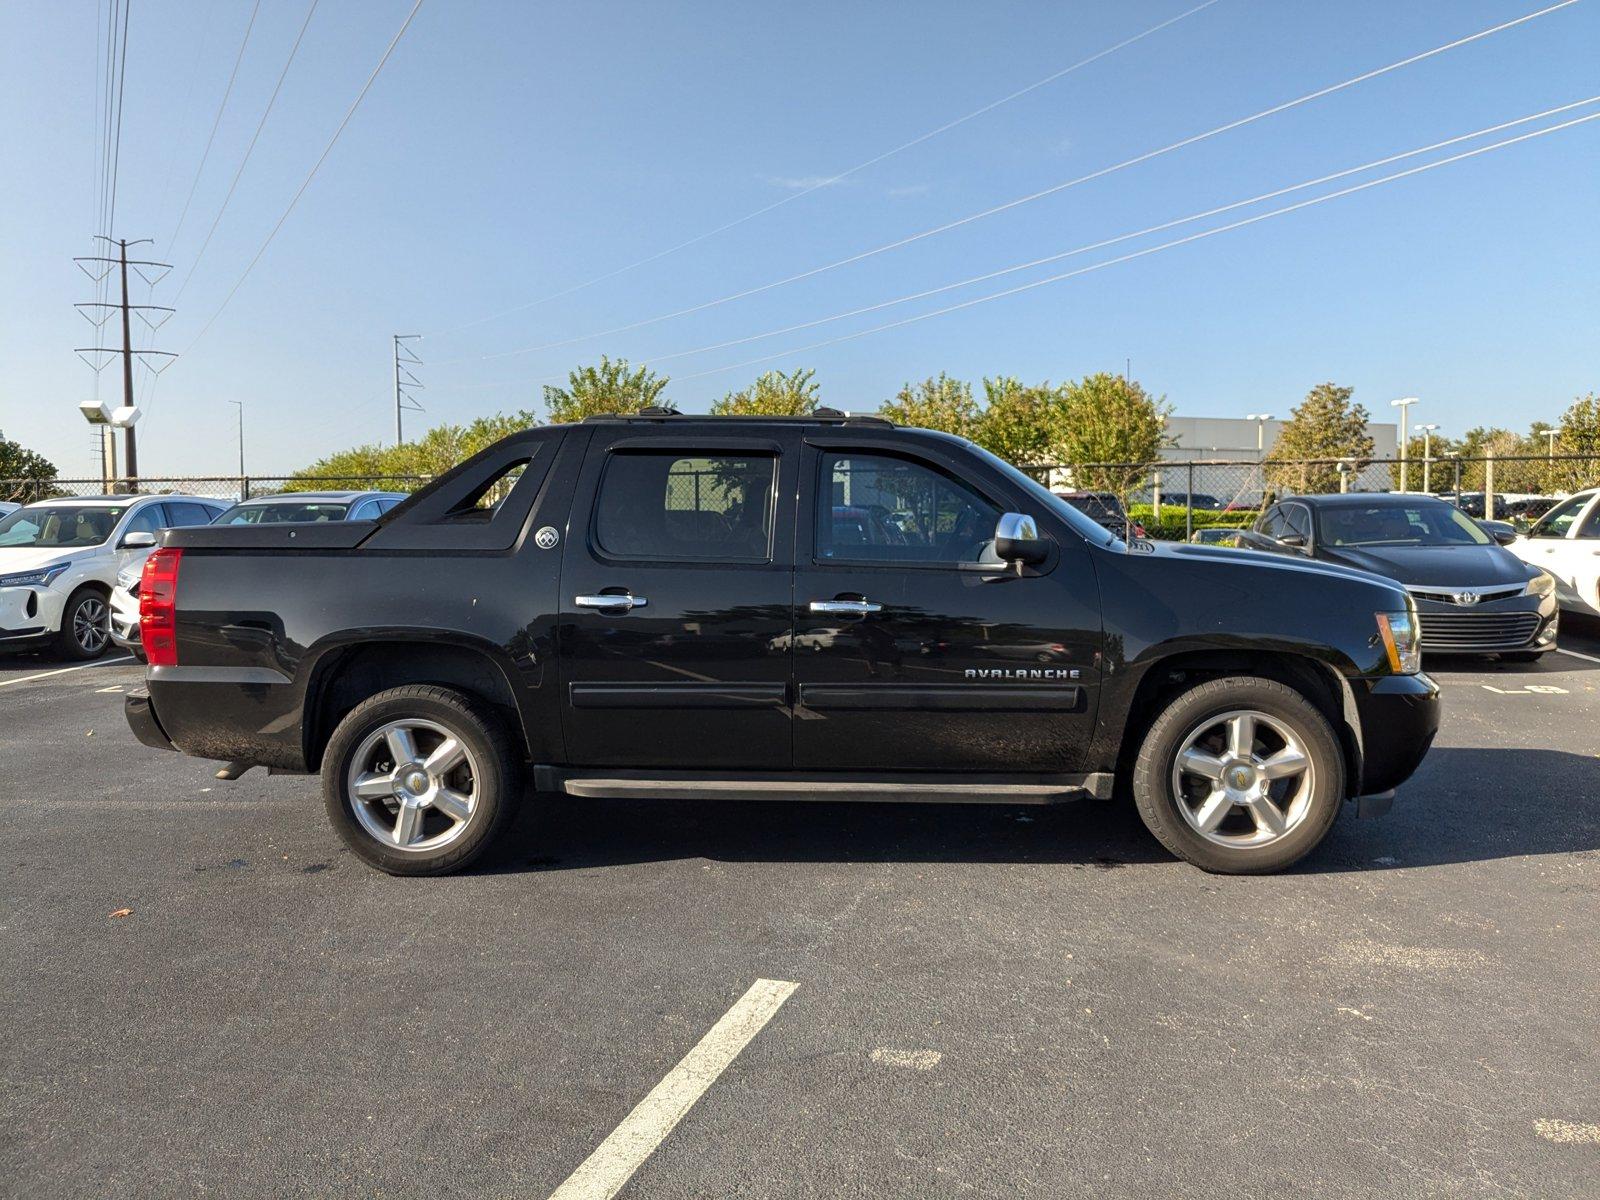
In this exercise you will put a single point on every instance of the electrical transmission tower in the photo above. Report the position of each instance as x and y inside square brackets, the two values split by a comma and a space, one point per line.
[97, 313]
[404, 360]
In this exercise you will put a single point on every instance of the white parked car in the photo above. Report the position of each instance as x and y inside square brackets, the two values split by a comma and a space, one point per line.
[1566, 542]
[59, 560]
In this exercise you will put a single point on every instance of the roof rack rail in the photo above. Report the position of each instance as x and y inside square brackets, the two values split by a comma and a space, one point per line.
[819, 416]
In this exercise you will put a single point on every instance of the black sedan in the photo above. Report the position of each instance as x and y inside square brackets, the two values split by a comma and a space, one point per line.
[1473, 595]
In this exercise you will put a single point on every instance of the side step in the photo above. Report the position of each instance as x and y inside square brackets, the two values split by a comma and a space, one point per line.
[833, 789]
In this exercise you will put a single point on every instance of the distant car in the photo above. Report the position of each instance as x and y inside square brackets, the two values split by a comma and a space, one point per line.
[7, 508]
[1471, 503]
[59, 560]
[1473, 595]
[311, 506]
[1104, 509]
[1566, 543]
[1215, 537]
[1194, 500]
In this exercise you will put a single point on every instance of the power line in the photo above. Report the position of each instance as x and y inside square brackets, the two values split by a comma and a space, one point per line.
[1194, 237]
[116, 155]
[356, 103]
[842, 175]
[1125, 237]
[205, 154]
[260, 125]
[1050, 191]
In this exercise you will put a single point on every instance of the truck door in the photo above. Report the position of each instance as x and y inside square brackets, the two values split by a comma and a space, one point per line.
[677, 592]
[909, 654]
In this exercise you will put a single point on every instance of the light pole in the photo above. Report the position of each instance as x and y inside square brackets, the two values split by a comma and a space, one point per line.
[1402, 404]
[1427, 455]
[239, 404]
[1552, 434]
[1261, 420]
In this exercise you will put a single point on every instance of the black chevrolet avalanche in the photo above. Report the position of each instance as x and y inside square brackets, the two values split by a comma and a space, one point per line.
[684, 608]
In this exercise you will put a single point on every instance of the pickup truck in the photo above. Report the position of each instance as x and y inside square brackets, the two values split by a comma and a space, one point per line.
[672, 607]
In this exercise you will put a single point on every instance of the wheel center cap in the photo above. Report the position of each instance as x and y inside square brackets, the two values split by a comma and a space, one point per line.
[415, 782]
[1241, 778]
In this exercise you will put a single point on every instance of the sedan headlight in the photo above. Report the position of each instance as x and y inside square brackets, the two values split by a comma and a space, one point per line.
[1542, 584]
[1402, 641]
[43, 577]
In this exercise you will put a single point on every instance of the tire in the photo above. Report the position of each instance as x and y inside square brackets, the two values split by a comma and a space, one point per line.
[439, 816]
[1215, 786]
[85, 626]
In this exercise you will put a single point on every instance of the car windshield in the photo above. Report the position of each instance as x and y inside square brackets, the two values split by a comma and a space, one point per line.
[1091, 531]
[59, 525]
[1554, 524]
[1429, 524]
[277, 512]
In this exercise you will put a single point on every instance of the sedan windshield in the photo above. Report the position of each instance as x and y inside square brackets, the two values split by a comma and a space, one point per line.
[277, 513]
[1427, 524]
[63, 525]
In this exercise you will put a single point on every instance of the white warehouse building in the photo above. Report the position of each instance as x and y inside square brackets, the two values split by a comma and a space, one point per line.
[1234, 439]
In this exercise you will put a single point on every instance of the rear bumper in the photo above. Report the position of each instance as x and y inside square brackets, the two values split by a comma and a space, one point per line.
[1399, 717]
[142, 719]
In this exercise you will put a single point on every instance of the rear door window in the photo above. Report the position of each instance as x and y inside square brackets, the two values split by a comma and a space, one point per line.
[181, 513]
[665, 506]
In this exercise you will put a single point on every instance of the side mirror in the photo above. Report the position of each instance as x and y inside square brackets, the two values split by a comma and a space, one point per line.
[138, 540]
[1503, 534]
[1292, 540]
[1016, 539]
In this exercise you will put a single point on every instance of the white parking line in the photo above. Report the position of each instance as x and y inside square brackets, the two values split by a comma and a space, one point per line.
[106, 662]
[613, 1163]
[1575, 654]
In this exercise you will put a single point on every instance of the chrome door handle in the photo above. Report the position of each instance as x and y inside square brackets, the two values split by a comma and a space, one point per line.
[850, 608]
[625, 601]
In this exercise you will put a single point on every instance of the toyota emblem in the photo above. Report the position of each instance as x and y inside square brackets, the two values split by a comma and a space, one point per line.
[1465, 597]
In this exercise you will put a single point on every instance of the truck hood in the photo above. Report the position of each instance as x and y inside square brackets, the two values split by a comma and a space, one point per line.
[1441, 566]
[1261, 560]
[15, 559]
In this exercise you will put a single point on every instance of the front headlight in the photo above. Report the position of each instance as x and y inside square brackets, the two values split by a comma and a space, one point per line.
[1401, 636]
[1542, 584]
[127, 579]
[43, 577]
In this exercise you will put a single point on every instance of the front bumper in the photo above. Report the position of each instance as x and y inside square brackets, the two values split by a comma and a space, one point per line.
[1399, 716]
[125, 620]
[29, 614]
[1519, 623]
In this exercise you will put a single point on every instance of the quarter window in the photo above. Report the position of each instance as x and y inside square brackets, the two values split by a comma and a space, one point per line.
[685, 506]
[880, 509]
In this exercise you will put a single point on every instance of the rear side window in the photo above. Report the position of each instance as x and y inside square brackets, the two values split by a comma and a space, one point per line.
[180, 513]
[875, 508]
[680, 506]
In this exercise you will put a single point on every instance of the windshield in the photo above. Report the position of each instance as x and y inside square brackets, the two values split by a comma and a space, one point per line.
[1090, 531]
[59, 525]
[1433, 523]
[277, 512]
[1554, 524]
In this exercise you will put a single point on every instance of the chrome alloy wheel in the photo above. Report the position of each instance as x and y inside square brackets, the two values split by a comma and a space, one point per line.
[91, 624]
[1243, 779]
[413, 785]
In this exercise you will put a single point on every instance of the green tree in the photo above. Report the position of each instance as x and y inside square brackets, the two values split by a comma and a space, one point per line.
[397, 467]
[24, 474]
[1019, 423]
[1113, 423]
[1579, 434]
[939, 403]
[611, 387]
[774, 394]
[1325, 426]
[1440, 477]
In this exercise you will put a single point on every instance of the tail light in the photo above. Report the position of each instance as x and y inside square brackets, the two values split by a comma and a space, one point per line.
[158, 607]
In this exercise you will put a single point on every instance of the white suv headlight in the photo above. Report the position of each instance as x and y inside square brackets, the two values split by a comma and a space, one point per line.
[43, 577]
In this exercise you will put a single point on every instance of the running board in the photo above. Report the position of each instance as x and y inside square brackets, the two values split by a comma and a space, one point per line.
[835, 789]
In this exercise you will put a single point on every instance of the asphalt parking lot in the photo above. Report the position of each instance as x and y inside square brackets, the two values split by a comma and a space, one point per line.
[205, 994]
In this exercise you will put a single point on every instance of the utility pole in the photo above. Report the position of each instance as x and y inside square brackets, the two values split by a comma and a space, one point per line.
[404, 360]
[1427, 455]
[239, 404]
[128, 413]
[1404, 403]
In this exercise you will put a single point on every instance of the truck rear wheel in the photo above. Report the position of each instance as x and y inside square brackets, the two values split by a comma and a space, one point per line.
[420, 779]
[1239, 776]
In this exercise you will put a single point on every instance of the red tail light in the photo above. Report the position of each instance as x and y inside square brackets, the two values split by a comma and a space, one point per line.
[158, 607]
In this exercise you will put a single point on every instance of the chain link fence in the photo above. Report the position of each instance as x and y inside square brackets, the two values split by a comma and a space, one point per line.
[220, 487]
[1172, 499]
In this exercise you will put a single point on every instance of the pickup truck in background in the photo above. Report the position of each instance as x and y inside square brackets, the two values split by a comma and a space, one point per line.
[678, 608]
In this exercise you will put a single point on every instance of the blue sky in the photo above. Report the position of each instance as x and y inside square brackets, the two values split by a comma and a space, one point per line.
[510, 151]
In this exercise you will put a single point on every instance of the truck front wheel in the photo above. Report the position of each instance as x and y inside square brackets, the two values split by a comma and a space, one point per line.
[1240, 776]
[419, 779]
